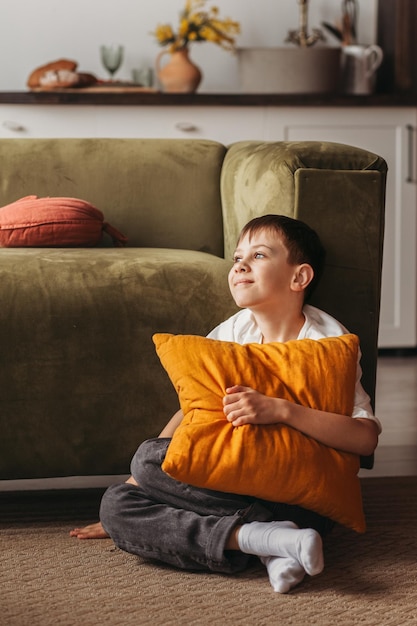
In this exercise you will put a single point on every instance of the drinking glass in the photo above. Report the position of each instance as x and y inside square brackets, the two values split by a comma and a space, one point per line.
[111, 57]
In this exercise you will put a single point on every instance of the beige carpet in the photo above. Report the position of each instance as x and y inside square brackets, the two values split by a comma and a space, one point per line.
[49, 579]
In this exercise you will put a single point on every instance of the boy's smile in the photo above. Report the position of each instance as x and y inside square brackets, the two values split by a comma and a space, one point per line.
[242, 281]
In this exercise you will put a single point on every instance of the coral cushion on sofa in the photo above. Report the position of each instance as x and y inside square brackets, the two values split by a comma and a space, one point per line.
[273, 462]
[50, 222]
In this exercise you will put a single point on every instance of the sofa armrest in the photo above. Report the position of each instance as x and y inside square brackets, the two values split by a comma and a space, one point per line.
[258, 177]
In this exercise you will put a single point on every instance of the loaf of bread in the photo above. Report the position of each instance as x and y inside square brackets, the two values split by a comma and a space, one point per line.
[59, 74]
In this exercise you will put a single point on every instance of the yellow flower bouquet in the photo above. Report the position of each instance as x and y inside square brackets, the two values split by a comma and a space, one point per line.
[197, 24]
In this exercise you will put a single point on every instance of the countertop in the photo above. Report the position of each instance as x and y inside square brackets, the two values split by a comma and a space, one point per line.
[156, 98]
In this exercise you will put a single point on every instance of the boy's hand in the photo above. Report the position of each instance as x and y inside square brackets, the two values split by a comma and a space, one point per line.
[243, 405]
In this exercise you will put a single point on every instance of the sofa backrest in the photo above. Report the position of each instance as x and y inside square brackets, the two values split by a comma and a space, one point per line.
[159, 193]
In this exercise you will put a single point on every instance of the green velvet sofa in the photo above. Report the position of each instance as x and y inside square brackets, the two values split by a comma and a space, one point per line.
[80, 383]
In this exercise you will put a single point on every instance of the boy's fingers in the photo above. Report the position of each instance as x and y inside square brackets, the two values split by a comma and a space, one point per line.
[237, 389]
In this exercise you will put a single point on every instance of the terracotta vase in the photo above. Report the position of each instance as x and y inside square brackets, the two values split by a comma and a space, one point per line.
[179, 75]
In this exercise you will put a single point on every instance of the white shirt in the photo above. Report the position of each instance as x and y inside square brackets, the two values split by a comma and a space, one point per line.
[242, 328]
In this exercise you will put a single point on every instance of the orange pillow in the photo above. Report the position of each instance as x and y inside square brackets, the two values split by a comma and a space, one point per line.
[50, 222]
[272, 462]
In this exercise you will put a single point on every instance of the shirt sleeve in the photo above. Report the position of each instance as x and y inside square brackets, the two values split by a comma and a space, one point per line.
[223, 332]
[362, 404]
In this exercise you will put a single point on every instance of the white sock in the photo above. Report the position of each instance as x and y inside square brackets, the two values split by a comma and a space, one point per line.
[277, 539]
[284, 572]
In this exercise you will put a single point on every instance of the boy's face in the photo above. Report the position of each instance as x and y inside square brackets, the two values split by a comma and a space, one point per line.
[261, 275]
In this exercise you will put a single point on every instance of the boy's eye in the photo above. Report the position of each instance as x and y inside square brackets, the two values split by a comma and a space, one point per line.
[257, 255]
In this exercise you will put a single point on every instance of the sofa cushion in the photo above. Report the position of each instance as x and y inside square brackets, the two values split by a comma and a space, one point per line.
[51, 222]
[81, 375]
[273, 462]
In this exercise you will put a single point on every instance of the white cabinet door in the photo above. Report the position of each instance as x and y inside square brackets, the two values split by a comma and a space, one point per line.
[224, 124]
[390, 133]
[22, 120]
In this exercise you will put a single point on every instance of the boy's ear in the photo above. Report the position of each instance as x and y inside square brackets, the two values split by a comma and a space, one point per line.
[303, 276]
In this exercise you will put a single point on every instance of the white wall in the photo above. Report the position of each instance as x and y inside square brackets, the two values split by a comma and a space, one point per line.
[35, 32]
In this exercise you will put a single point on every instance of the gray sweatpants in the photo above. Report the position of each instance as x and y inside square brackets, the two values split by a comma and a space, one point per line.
[182, 525]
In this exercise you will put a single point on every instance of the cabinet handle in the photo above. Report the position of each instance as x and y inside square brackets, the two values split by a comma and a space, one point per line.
[14, 126]
[187, 127]
[410, 131]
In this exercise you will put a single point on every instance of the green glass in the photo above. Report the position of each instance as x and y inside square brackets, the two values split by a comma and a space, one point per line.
[111, 57]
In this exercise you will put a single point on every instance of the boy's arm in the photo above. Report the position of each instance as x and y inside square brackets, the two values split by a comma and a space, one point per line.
[357, 435]
[243, 405]
[172, 425]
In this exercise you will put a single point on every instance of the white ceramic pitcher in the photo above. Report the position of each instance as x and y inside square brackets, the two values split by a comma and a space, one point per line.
[359, 65]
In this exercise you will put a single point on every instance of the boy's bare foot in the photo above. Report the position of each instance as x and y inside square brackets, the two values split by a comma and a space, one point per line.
[92, 531]
[96, 531]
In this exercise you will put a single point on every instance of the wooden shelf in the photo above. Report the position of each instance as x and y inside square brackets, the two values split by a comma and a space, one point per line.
[145, 98]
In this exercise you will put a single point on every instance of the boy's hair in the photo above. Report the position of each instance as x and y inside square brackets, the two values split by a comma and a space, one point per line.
[302, 242]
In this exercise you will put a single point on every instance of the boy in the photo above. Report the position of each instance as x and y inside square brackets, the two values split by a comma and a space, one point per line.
[277, 263]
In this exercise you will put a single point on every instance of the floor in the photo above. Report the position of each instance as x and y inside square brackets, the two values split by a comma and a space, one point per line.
[396, 398]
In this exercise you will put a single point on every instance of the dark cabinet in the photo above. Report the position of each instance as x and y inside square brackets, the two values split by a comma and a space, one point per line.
[396, 34]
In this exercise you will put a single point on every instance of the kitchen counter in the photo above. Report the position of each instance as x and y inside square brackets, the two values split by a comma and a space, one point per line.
[145, 98]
